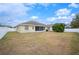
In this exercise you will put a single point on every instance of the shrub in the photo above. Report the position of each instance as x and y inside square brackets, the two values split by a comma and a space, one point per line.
[59, 27]
[46, 30]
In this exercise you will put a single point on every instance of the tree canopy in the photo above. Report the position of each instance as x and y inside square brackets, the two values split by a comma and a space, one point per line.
[75, 21]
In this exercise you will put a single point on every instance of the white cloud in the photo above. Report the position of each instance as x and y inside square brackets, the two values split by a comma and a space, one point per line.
[58, 18]
[62, 15]
[41, 4]
[73, 5]
[34, 17]
[15, 22]
[73, 15]
[64, 19]
[66, 22]
[44, 4]
[14, 12]
[62, 12]
[51, 18]
[47, 4]
[32, 5]
[13, 9]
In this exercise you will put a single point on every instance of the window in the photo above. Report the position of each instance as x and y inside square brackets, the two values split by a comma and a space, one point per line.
[26, 27]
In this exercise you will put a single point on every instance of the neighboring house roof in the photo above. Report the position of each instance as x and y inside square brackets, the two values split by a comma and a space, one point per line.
[32, 23]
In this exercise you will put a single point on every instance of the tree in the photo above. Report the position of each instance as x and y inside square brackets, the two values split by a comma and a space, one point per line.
[75, 21]
[58, 27]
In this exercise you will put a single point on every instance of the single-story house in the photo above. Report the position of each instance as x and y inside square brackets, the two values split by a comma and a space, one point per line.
[32, 26]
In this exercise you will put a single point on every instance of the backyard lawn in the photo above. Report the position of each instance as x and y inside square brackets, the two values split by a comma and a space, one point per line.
[44, 43]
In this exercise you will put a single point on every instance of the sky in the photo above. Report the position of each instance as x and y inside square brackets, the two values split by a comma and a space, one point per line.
[48, 13]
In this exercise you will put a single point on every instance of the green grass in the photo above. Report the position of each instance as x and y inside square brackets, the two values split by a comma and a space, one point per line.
[36, 43]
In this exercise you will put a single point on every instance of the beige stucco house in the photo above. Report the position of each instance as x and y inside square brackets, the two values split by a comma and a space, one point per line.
[32, 26]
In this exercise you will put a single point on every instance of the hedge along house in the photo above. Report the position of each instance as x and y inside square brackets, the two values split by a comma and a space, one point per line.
[32, 26]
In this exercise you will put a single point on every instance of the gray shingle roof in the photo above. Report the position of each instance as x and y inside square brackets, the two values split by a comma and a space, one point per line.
[32, 23]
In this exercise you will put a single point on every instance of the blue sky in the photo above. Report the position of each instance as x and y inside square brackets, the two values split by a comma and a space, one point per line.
[16, 13]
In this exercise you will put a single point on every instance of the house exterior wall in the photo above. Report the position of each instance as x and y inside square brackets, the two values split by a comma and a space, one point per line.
[50, 28]
[31, 28]
[22, 29]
